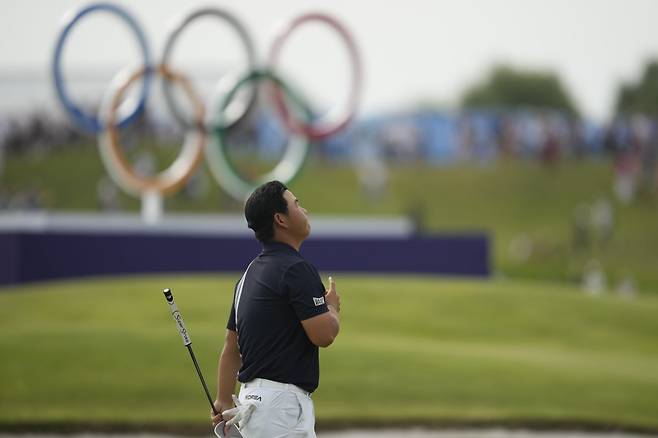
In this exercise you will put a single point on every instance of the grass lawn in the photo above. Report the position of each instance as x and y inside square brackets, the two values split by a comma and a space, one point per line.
[411, 349]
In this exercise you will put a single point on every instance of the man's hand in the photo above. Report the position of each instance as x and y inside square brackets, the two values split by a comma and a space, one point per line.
[322, 329]
[239, 415]
[331, 297]
[220, 406]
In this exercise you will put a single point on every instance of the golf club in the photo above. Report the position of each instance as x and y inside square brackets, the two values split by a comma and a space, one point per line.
[187, 341]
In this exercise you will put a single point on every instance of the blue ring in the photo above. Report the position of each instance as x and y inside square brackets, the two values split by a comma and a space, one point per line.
[87, 123]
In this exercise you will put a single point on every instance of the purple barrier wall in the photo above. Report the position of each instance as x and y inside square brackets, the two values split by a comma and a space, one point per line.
[33, 256]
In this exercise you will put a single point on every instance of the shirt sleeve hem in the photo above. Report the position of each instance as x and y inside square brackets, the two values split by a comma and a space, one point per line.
[315, 312]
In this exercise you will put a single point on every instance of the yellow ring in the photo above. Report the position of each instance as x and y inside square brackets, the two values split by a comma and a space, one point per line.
[172, 178]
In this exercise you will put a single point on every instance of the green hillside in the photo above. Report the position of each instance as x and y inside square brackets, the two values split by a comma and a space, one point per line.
[411, 350]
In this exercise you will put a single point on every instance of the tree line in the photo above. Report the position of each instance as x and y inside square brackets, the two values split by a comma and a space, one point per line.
[506, 87]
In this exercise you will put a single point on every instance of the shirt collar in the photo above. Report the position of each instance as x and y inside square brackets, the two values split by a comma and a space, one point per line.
[274, 246]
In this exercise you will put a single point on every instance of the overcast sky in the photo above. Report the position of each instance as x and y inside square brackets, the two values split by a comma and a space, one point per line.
[412, 50]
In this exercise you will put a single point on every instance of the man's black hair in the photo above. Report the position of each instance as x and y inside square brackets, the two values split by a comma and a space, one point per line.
[261, 206]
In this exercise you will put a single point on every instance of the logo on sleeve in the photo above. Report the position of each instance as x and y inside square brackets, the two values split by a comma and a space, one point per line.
[318, 301]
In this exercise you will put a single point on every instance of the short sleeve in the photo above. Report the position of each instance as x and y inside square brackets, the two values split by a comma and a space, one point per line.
[305, 291]
[231, 323]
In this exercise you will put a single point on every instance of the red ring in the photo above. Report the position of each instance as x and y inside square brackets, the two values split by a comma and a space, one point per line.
[315, 131]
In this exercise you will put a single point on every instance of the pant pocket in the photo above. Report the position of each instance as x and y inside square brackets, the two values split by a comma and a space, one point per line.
[306, 426]
[287, 410]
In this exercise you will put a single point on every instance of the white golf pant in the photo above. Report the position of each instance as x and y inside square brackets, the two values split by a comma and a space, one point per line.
[282, 410]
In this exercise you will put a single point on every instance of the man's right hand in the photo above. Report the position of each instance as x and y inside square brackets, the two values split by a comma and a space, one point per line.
[220, 407]
[331, 297]
[322, 329]
[239, 415]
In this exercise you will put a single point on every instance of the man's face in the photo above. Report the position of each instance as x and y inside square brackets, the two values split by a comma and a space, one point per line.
[297, 216]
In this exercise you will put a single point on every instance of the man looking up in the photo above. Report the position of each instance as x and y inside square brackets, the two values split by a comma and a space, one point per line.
[281, 314]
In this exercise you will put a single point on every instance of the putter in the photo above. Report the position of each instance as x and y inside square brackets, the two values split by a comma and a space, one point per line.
[233, 431]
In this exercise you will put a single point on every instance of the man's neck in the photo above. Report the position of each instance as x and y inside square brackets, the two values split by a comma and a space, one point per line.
[288, 240]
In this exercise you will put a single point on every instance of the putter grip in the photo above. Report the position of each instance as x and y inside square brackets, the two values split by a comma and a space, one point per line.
[177, 317]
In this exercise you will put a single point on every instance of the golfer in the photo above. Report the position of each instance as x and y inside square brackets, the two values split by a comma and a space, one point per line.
[281, 314]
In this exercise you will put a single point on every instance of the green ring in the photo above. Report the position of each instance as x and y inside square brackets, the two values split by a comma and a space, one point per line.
[221, 167]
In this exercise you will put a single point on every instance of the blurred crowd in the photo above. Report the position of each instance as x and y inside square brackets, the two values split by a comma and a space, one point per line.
[38, 134]
[633, 143]
[428, 136]
[630, 142]
[476, 136]
[35, 133]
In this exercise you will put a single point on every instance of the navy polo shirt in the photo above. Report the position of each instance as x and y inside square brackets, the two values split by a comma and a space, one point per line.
[278, 290]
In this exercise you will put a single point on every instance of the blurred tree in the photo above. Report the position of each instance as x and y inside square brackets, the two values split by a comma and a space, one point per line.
[511, 88]
[642, 96]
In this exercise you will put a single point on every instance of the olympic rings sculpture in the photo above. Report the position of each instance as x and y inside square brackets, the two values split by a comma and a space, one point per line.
[230, 107]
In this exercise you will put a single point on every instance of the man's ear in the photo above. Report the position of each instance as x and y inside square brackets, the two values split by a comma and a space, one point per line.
[280, 220]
